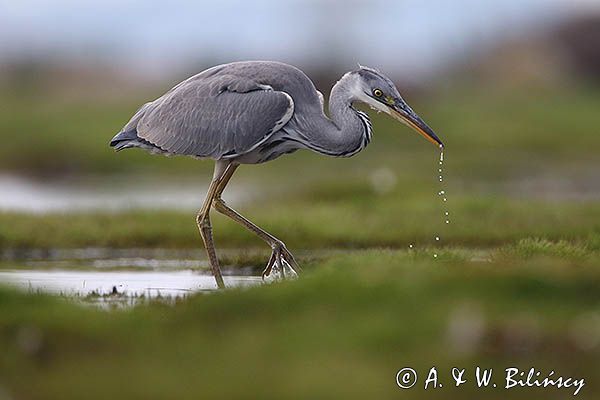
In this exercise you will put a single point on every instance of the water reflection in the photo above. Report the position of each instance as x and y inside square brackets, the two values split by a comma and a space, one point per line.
[149, 284]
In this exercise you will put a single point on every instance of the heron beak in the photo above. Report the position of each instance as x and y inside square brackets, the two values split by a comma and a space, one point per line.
[403, 113]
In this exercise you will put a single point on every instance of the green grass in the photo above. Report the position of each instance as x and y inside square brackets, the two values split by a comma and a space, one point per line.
[342, 331]
[515, 282]
[359, 221]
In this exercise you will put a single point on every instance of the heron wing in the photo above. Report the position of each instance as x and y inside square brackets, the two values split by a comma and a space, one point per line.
[217, 116]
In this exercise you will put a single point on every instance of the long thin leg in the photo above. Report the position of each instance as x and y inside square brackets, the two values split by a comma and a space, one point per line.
[280, 252]
[204, 226]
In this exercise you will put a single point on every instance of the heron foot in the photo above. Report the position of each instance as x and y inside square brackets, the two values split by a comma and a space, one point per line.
[281, 262]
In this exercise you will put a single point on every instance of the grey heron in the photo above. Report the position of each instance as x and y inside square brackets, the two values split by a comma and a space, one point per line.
[253, 112]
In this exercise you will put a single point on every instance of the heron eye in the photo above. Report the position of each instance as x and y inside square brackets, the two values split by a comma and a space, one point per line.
[377, 92]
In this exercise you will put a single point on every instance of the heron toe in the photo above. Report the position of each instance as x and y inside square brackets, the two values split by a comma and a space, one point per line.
[281, 263]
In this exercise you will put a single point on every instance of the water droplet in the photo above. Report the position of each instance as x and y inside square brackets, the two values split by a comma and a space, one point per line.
[441, 192]
[410, 245]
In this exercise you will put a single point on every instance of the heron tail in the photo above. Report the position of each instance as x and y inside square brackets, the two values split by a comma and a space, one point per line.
[121, 138]
[129, 139]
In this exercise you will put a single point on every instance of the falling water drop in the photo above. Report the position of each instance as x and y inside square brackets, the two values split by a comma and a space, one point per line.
[441, 193]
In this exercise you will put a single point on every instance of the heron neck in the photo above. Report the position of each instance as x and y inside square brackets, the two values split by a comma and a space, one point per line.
[347, 131]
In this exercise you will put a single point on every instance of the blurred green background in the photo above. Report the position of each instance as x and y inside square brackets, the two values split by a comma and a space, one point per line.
[513, 90]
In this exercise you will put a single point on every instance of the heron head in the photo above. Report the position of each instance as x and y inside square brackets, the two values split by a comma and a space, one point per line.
[380, 93]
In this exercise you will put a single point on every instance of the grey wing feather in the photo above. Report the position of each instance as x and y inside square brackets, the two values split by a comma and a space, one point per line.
[217, 116]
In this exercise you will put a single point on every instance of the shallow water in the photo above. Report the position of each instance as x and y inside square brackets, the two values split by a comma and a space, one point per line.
[21, 194]
[149, 284]
[113, 278]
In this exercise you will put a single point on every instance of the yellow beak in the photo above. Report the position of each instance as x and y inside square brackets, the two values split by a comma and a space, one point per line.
[412, 120]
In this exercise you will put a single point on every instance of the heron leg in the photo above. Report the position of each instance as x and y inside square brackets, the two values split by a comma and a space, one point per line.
[280, 254]
[205, 227]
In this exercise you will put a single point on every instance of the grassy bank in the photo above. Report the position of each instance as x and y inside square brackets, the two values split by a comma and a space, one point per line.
[515, 282]
[343, 330]
[325, 221]
[518, 164]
